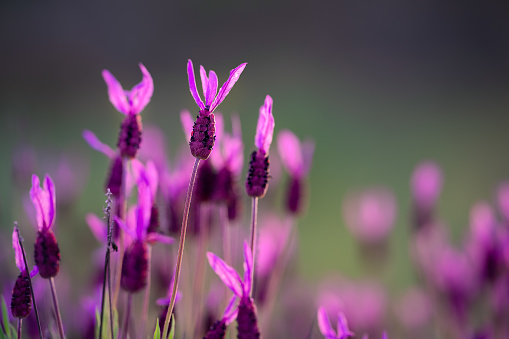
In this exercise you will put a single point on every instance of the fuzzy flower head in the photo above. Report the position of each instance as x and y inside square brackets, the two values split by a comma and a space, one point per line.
[209, 86]
[44, 202]
[133, 101]
[326, 327]
[296, 156]
[265, 126]
[426, 184]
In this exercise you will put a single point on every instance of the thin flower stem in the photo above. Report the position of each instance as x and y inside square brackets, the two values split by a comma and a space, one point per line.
[146, 298]
[200, 265]
[20, 241]
[123, 212]
[181, 246]
[254, 215]
[127, 315]
[109, 299]
[57, 309]
[106, 262]
[19, 328]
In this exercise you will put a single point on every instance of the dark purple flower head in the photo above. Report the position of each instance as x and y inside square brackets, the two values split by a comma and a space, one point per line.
[203, 135]
[133, 101]
[326, 327]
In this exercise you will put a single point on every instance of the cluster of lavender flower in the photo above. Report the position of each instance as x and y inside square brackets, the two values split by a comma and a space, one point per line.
[201, 195]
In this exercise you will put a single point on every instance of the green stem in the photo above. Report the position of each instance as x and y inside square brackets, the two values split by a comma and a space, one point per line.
[57, 309]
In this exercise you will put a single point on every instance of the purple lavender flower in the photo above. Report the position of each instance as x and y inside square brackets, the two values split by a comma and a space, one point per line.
[130, 103]
[21, 302]
[296, 157]
[150, 174]
[203, 135]
[258, 173]
[326, 327]
[370, 214]
[426, 185]
[247, 324]
[46, 252]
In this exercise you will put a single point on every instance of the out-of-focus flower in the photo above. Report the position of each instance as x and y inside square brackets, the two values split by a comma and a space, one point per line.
[326, 327]
[503, 201]
[21, 302]
[414, 309]
[370, 214]
[203, 135]
[46, 252]
[247, 324]
[258, 173]
[426, 186]
[296, 158]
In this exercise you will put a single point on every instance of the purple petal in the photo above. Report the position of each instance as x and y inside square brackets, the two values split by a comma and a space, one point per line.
[265, 126]
[248, 268]
[227, 86]
[426, 183]
[34, 271]
[116, 93]
[123, 225]
[308, 149]
[37, 200]
[153, 178]
[212, 88]
[204, 82]
[290, 152]
[230, 312]
[141, 94]
[18, 254]
[324, 323]
[343, 330]
[187, 123]
[503, 199]
[233, 149]
[192, 84]
[227, 274]
[49, 187]
[98, 227]
[144, 207]
[96, 144]
[158, 237]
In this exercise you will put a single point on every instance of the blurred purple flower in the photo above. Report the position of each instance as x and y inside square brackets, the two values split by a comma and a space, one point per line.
[265, 126]
[503, 201]
[297, 159]
[326, 327]
[426, 185]
[133, 101]
[414, 309]
[370, 214]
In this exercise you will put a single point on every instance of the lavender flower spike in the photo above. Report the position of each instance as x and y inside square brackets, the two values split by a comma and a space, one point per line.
[326, 327]
[203, 136]
[21, 302]
[46, 252]
[247, 324]
[258, 174]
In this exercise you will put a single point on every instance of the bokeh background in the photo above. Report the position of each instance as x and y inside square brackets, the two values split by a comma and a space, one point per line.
[379, 86]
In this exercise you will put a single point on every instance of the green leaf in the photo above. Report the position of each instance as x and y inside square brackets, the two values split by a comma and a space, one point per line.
[172, 331]
[5, 319]
[157, 331]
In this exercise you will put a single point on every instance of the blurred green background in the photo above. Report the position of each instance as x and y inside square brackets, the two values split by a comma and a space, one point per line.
[379, 86]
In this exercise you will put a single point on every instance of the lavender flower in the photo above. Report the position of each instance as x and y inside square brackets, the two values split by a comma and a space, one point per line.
[130, 103]
[203, 135]
[258, 173]
[247, 324]
[426, 185]
[46, 252]
[21, 302]
[326, 327]
[296, 157]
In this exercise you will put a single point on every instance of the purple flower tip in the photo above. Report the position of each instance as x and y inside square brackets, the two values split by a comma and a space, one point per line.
[326, 327]
[44, 201]
[133, 101]
[426, 183]
[209, 86]
[296, 157]
[265, 126]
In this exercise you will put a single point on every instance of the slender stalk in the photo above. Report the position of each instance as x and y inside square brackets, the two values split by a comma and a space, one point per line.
[57, 309]
[146, 298]
[254, 214]
[181, 246]
[20, 241]
[127, 315]
[121, 249]
[19, 328]
[107, 211]
[200, 266]
[109, 299]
